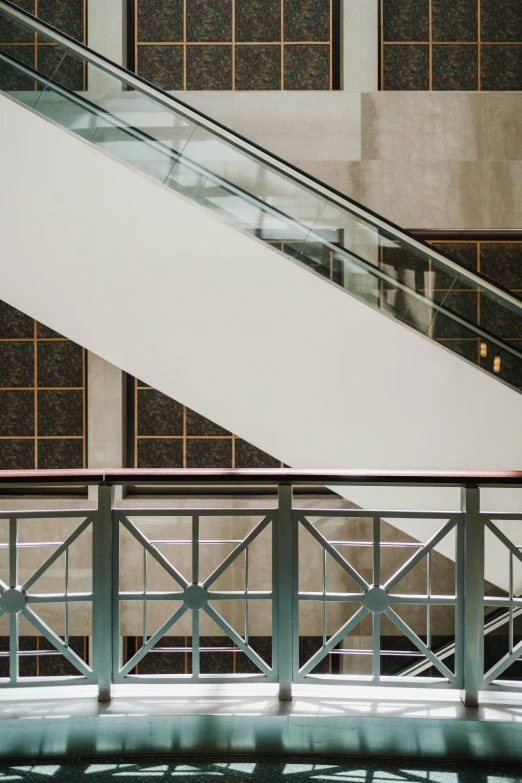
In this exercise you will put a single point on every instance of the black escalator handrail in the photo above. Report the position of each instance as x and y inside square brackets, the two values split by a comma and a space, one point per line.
[326, 191]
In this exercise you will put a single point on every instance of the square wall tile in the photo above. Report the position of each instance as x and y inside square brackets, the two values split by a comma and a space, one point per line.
[248, 456]
[501, 67]
[160, 21]
[502, 263]
[307, 20]
[17, 413]
[461, 303]
[64, 69]
[165, 662]
[498, 320]
[66, 16]
[258, 67]
[199, 425]
[258, 20]
[463, 252]
[307, 67]
[63, 454]
[60, 412]
[406, 67]
[16, 364]
[15, 324]
[501, 20]
[158, 414]
[12, 31]
[455, 20]
[161, 65]
[405, 267]
[406, 20]
[160, 453]
[209, 21]
[45, 332]
[10, 77]
[60, 363]
[209, 67]
[17, 454]
[58, 665]
[455, 67]
[209, 453]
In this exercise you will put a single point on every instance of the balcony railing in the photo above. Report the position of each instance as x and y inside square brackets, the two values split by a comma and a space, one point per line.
[186, 565]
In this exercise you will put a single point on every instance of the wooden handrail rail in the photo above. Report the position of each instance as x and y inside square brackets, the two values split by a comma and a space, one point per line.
[134, 476]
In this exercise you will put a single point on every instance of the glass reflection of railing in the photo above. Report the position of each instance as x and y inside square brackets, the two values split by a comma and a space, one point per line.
[257, 192]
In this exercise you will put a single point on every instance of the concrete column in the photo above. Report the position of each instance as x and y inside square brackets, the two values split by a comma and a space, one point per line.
[107, 35]
[104, 414]
[360, 45]
[107, 28]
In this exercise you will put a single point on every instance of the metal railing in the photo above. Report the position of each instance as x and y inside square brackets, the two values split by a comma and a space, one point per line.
[264, 564]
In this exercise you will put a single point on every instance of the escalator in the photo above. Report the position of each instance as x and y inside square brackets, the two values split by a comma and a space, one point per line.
[237, 284]
[256, 192]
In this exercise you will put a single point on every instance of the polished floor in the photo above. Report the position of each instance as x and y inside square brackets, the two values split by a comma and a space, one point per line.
[257, 770]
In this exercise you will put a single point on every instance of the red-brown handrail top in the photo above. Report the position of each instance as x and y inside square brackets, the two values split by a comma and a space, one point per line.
[236, 477]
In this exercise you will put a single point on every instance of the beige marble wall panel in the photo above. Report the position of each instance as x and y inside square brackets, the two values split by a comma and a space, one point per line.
[504, 185]
[504, 125]
[227, 529]
[323, 126]
[342, 175]
[446, 195]
[53, 580]
[310, 575]
[423, 127]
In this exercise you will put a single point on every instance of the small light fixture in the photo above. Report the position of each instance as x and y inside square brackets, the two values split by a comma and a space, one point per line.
[483, 350]
[496, 364]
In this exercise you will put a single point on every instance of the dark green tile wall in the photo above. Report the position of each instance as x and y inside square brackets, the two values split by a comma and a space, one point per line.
[42, 396]
[501, 262]
[166, 434]
[237, 44]
[451, 45]
[41, 664]
[69, 16]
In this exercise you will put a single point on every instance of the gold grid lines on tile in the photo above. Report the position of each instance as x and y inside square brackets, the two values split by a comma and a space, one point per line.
[477, 291]
[478, 245]
[36, 437]
[432, 44]
[38, 44]
[234, 45]
[184, 438]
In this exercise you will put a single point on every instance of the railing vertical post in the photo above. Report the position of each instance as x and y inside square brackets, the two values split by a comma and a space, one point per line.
[102, 592]
[473, 637]
[285, 592]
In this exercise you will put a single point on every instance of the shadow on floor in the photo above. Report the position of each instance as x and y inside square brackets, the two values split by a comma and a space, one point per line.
[256, 770]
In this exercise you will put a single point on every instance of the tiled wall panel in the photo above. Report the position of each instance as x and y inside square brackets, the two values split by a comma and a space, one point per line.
[236, 44]
[451, 45]
[165, 434]
[499, 261]
[39, 52]
[42, 396]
